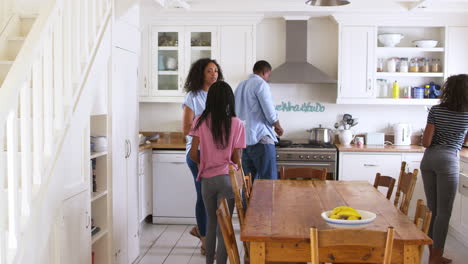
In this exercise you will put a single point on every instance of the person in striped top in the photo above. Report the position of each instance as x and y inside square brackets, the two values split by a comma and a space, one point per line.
[446, 130]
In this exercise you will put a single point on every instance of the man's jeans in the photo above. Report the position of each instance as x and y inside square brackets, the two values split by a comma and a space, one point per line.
[260, 160]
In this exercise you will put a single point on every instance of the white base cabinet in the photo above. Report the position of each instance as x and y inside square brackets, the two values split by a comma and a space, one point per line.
[459, 219]
[363, 166]
[173, 189]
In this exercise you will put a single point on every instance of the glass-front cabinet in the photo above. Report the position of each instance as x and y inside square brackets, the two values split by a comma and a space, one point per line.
[173, 50]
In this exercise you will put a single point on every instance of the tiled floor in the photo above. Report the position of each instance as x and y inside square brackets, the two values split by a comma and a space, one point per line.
[173, 244]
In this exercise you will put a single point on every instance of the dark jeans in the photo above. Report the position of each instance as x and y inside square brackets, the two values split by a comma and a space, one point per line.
[260, 160]
[440, 174]
[200, 212]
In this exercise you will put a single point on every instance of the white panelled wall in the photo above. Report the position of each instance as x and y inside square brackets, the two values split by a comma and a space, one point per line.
[323, 53]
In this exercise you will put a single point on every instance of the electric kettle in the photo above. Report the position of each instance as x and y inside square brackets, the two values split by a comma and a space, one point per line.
[402, 134]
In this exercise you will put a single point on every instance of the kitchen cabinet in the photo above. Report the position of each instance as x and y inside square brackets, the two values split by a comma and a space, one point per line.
[173, 49]
[363, 166]
[459, 218]
[124, 155]
[360, 82]
[457, 53]
[174, 194]
[145, 184]
[357, 47]
[76, 226]
[237, 56]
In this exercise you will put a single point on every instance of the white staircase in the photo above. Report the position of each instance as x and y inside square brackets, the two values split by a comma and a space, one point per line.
[45, 60]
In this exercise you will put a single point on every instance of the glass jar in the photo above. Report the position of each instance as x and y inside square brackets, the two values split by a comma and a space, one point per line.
[391, 64]
[380, 63]
[404, 65]
[435, 65]
[413, 65]
[424, 65]
[382, 88]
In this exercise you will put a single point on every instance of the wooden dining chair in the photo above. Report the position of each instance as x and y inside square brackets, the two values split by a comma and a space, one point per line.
[302, 173]
[385, 181]
[229, 236]
[237, 181]
[248, 186]
[358, 238]
[405, 188]
[422, 220]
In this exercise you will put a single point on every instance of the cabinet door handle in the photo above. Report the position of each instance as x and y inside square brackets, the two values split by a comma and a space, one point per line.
[129, 148]
[370, 165]
[126, 148]
[369, 84]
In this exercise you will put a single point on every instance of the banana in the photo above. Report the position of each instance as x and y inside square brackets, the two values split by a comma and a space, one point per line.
[345, 213]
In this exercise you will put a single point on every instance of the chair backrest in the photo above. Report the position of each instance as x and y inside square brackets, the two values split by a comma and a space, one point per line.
[303, 173]
[422, 216]
[229, 237]
[422, 220]
[248, 186]
[385, 181]
[351, 237]
[405, 189]
[237, 182]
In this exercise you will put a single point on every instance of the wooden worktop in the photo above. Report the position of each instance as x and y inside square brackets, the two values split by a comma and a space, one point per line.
[167, 140]
[377, 148]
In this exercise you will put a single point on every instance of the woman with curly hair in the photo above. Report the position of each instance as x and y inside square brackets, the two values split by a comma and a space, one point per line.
[203, 73]
[446, 130]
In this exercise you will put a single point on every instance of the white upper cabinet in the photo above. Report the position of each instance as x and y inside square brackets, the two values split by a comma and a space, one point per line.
[370, 65]
[173, 50]
[236, 53]
[457, 52]
[356, 62]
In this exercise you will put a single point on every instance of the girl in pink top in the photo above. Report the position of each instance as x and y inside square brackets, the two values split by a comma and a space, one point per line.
[220, 135]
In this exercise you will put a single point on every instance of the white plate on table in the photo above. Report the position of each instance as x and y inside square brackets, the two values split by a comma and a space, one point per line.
[367, 217]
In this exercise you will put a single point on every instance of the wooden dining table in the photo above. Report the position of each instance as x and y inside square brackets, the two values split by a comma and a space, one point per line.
[281, 213]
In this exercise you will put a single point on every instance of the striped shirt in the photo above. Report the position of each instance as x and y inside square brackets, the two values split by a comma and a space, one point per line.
[450, 127]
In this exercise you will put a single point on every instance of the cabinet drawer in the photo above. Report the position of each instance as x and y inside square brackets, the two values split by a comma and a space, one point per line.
[365, 166]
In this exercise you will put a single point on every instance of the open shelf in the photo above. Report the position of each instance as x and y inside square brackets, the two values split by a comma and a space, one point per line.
[410, 74]
[98, 154]
[96, 195]
[99, 235]
[409, 49]
[388, 101]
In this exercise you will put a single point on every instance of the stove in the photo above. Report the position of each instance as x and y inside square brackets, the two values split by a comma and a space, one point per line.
[304, 155]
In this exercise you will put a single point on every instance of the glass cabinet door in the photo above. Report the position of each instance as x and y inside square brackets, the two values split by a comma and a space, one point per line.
[166, 62]
[201, 43]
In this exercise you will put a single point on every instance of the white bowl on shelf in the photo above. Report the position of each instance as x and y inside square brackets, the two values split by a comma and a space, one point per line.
[366, 218]
[390, 39]
[425, 43]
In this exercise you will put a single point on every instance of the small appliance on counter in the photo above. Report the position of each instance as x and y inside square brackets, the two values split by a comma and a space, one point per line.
[402, 133]
[375, 138]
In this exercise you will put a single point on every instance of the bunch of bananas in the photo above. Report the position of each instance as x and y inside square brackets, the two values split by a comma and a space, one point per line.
[345, 213]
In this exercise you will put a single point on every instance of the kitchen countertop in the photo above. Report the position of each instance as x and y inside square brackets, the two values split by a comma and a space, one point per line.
[385, 148]
[167, 140]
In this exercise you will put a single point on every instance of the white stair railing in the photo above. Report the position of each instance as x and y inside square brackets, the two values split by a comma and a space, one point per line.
[37, 99]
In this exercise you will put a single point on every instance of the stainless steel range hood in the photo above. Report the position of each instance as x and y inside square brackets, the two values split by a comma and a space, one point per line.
[296, 69]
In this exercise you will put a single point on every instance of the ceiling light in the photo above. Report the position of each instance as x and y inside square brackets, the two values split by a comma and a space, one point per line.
[326, 2]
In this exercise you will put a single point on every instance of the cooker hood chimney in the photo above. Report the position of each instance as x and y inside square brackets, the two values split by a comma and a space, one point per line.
[296, 69]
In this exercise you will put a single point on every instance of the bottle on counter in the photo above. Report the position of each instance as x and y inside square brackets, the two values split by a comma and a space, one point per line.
[396, 90]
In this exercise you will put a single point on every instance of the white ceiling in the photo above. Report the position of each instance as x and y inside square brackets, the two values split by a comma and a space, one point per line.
[285, 7]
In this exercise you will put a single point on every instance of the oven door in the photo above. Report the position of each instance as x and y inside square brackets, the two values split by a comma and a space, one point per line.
[330, 166]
